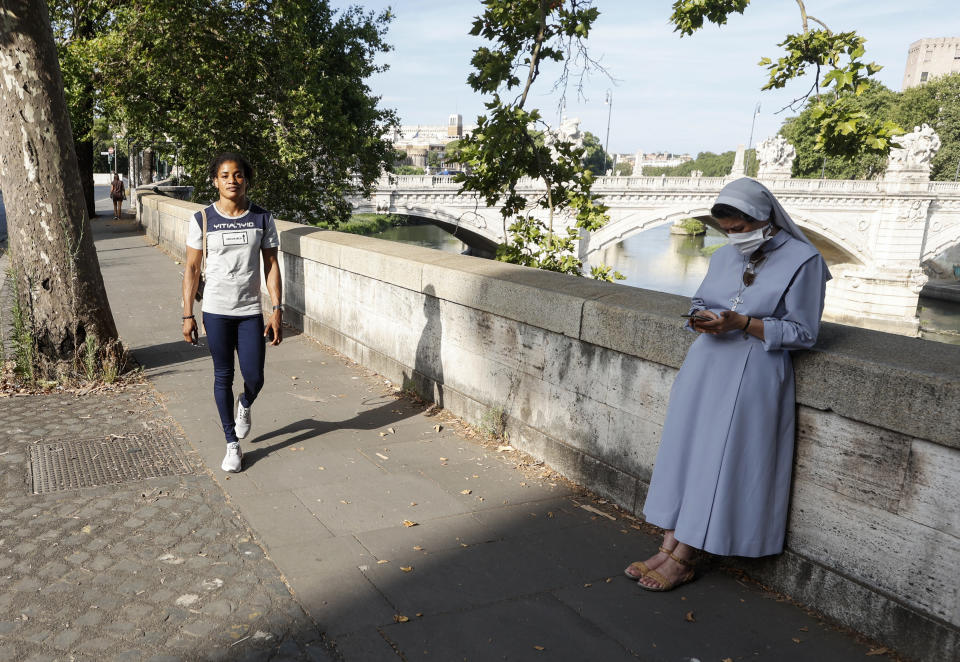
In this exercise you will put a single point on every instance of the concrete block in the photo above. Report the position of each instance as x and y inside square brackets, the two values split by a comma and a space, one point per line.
[549, 300]
[641, 323]
[873, 546]
[931, 491]
[860, 461]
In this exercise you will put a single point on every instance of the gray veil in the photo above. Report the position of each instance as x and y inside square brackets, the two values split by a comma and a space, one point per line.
[753, 198]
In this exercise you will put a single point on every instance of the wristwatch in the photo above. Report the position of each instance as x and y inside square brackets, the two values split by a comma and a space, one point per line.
[280, 308]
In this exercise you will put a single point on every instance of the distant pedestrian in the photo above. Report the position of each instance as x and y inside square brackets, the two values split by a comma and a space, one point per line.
[235, 234]
[721, 481]
[117, 194]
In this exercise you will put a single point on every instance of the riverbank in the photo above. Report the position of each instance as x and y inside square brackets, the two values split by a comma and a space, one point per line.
[371, 224]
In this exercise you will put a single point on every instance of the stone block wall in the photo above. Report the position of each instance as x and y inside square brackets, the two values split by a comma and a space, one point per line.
[581, 371]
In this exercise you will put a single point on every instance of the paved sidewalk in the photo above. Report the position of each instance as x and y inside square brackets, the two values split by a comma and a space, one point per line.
[501, 564]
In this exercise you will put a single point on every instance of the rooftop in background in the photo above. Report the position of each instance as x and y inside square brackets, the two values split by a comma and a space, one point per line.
[929, 58]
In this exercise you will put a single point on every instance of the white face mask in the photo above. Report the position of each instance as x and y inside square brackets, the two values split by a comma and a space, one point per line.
[747, 242]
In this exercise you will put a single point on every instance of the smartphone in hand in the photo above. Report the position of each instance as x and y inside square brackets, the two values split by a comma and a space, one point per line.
[695, 316]
[269, 334]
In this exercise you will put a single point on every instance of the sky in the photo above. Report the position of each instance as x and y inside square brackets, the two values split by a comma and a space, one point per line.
[670, 94]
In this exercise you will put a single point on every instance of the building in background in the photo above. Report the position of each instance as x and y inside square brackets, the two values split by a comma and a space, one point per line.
[929, 58]
[639, 160]
[420, 141]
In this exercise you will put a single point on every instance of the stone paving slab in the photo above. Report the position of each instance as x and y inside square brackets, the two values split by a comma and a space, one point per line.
[156, 567]
[498, 575]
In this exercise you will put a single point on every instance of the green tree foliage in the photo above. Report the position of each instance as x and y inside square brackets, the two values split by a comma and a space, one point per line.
[409, 170]
[710, 164]
[844, 128]
[522, 35]
[812, 160]
[936, 103]
[623, 169]
[282, 81]
[593, 155]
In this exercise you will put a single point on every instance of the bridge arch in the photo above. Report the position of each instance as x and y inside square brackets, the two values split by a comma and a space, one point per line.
[469, 227]
[834, 247]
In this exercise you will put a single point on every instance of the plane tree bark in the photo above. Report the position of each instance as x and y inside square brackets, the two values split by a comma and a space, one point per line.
[56, 274]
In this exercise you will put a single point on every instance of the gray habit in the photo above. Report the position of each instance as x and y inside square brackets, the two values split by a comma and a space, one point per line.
[722, 476]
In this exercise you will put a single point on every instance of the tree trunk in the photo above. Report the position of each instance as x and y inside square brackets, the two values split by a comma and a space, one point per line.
[52, 255]
[85, 153]
[146, 166]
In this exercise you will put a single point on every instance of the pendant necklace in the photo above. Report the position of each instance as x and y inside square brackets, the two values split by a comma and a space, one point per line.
[737, 300]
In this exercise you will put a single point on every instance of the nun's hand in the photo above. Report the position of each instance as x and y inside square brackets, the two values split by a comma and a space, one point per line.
[727, 321]
[701, 326]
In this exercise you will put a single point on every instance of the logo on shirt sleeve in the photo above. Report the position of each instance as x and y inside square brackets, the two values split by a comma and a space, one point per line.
[234, 238]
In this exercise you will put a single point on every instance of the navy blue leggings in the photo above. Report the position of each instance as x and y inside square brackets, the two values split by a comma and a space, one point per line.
[227, 334]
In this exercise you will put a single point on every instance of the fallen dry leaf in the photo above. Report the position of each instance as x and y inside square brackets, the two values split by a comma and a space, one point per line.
[322, 468]
[391, 430]
[804, 629]
[407, 522]
[539, 648]
[400, 618]
[609, 579]
[883, 650]
[382, 456]
[795, 640]
[727, 659]
[382, 561]
[465, 491]
[507, 447]
[437, 428]
[419, 614]
[294, 377]
[344, 501]
[587, 585]
[407, 568]
[417, 548]
[413, 503]
[689, 617]
[443, 459]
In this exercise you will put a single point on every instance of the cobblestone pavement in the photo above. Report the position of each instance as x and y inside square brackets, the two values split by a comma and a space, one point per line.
[161, 569]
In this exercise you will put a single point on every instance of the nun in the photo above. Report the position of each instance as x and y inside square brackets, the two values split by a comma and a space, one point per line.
[721, 482]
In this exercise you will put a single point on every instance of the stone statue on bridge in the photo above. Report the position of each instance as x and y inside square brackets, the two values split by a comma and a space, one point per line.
[775, 156]
[916, 149]
[569, 131]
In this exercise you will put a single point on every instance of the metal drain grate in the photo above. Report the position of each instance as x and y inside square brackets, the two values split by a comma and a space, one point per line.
[72, 464]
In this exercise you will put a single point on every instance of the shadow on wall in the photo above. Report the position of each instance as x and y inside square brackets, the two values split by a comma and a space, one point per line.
[427, 375]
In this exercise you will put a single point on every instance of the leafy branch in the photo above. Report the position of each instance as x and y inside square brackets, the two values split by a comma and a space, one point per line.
[844, 129]
[509, 142]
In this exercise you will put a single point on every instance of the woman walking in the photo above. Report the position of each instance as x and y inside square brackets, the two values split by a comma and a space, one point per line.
[236, 234]
[117, 194]
[721, 481]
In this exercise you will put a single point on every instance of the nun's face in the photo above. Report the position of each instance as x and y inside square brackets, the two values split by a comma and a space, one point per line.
[737, 225]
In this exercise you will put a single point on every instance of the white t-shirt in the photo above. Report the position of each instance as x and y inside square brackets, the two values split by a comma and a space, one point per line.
[233, 258]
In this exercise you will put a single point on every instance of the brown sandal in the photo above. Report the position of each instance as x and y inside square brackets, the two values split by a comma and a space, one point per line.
[664, 584]
[642, 567]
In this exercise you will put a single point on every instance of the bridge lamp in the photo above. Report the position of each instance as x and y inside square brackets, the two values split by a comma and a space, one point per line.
[606, 146]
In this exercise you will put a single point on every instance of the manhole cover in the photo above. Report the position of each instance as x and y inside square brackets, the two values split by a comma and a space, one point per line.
[70, 464]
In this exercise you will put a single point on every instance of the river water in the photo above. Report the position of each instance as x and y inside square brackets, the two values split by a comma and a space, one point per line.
[658, 260]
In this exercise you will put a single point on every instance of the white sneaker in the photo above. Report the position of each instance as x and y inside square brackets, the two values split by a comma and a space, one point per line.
[242, 420]
[233, 459]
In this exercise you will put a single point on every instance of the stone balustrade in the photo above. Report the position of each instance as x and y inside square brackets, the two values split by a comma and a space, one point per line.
[581, 372]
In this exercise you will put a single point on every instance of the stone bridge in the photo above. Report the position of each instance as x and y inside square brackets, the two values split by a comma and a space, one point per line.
[877, 235]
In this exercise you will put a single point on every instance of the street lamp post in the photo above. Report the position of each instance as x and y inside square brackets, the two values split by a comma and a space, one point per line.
[756, 112]
[606, 146]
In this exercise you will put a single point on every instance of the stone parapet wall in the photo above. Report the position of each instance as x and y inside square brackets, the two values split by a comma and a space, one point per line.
[581, 373]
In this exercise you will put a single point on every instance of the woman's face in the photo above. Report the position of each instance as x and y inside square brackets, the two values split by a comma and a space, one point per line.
[737, 225]
[231, 182]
